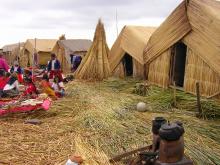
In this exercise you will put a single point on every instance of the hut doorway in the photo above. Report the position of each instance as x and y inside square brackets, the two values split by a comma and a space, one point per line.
[178, 62]
[128, 64]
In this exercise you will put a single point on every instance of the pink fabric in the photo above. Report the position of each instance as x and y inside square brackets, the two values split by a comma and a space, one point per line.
[3, 64]
[46, 104]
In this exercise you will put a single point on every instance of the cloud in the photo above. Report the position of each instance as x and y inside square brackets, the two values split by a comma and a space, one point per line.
[50, 18]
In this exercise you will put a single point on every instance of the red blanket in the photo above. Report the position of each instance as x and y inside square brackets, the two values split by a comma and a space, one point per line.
[45, 106]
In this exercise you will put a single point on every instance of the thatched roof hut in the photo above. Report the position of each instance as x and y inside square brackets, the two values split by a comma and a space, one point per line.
[44, 48]
[185, 48]
[12, 51]
[95, 65]
[126, 55]
[69, 47]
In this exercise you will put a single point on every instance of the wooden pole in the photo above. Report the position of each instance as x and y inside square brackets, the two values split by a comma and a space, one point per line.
[126, 154]
[145, 79]
[198, 98]
[33, 61]
[174, 94]
[18, 54]
[116, 17]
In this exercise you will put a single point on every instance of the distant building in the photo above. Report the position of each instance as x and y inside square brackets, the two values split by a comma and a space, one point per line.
[71, 47]
[12, 52]
[43, 48]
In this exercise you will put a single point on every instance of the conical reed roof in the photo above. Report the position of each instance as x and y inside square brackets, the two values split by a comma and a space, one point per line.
[95, 65]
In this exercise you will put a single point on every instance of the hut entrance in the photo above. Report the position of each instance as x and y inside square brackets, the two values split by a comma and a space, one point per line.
[128, 65]
[178, 62]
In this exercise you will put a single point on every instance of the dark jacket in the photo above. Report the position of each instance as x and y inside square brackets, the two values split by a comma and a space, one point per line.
[56, 65]
[19, 70]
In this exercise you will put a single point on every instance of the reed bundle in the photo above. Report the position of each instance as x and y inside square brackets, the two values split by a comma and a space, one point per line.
[95, 65]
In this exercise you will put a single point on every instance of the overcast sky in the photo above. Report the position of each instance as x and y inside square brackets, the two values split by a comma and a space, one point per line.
[22, 19]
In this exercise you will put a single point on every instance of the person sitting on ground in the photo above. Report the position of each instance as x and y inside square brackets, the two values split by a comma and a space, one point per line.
[12, 86]
[46, 87]
[27, 73]
[3, 81]
[31, 90]
[58, 87]
[17, 69]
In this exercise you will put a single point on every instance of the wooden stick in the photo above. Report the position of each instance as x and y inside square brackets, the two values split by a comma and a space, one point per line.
[121, 156]
[174, 94]
[198, 98]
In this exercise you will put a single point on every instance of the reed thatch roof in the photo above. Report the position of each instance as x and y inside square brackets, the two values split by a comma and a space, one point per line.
[42, 45]
[196, 23]
[131, 40]
[95, 65]
[175, 27]
[11, 47]
[75, 45]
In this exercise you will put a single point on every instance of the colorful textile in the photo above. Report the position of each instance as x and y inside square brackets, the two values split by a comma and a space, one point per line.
[3, 64]
[54, 73]
[47, 89]
[25, 108]
[14, 85]
[3, 82]
[31, 89]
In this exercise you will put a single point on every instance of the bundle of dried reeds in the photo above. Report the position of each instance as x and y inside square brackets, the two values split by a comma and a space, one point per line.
[95, 65]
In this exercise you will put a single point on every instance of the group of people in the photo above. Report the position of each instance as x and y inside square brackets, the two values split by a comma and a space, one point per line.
[51, 82]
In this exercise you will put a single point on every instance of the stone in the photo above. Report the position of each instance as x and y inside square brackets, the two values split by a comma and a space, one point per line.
[33, 121]
[143, 107]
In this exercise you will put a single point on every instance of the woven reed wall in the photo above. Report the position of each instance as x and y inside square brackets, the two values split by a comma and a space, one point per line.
[119, 71]
[198, 70]
[159, 70]
[138, 69]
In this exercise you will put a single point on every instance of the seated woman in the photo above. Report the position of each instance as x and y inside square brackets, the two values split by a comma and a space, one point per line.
[46, 87]
[12, 86]
[3, 81]
[17, 69]
[31, 90]
[58, 87]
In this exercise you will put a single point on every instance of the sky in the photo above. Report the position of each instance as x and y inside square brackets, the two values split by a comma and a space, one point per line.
[77, 19]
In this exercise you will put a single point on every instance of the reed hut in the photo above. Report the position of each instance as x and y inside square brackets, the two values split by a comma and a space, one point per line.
[185, 49]
[43, 48]
[12, 52]
[126, 55]
[69, 48]
[95, 65]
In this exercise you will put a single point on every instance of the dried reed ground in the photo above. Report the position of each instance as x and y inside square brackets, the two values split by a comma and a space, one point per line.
[97, 121]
